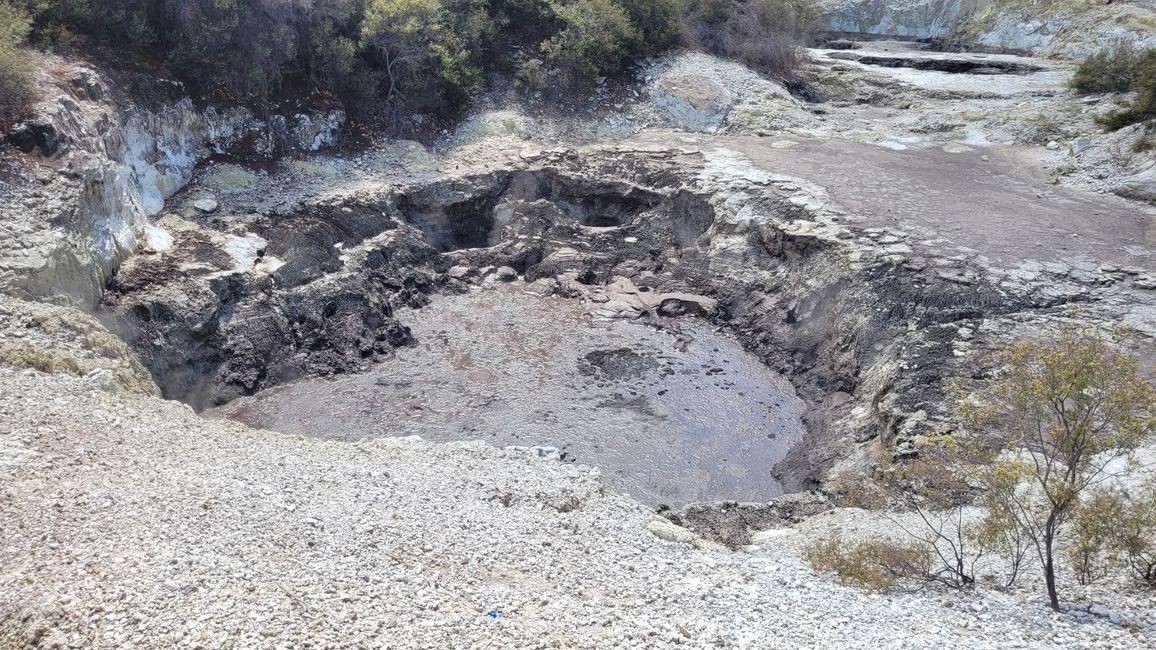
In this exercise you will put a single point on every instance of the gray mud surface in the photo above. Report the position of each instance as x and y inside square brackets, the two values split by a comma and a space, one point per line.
[669, 411]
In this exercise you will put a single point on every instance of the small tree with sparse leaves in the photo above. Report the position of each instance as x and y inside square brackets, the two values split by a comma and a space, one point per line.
[1055, 420]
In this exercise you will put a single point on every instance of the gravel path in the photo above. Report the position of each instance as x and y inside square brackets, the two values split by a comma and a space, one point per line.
[135, 524]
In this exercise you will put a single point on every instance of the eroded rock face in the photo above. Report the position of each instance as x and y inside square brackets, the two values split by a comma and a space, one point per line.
[101, 160]
[237, 131]
[1067, 29]
[914, 19]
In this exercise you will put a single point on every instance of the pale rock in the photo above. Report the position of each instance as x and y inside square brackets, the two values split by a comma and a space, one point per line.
[663, 529]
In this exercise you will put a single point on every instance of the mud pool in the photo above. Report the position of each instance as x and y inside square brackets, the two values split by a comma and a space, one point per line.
[670, 411]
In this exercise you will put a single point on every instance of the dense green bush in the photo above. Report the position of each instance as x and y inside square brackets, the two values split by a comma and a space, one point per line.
[1108, 71]
[15, 63]
[602, 37]
[597, 38]
[658, 24]
[400, 56]
[1142, 108]
[1121, 70]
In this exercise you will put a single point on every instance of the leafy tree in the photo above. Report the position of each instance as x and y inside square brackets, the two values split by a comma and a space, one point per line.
[420, 57]
[1055, 420]
[596, 39]
[658, 23]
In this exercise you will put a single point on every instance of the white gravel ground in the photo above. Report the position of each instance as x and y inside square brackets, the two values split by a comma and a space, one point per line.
[135, 524]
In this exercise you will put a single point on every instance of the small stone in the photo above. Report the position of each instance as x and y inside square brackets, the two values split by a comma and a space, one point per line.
[207, 206]
[505, 274]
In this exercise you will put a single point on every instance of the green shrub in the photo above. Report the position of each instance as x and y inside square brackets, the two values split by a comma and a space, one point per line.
[1135, 537]
[658, 23]
[1092, 525]
[1114, 529]
[850, 490]
[1107, 71]
[873, 565]
[1146, 141]
[1143, 107]
[597, 39]
[16, 63]
[524, 20]
[1121, 70]
[531, 76]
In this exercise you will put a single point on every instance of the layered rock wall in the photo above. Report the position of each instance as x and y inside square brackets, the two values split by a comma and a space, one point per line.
[1068, 28]
[99, 160]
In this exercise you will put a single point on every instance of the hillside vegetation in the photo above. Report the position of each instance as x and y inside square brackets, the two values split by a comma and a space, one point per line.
[15, 64]
[397, 57]
[1121, 70]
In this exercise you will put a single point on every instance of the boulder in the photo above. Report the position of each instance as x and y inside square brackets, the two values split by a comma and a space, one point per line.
[694, 102]
[37, 135]
[842, 44]
[1079, 145]
[625, 300]
[1140, 186]
[505, 274]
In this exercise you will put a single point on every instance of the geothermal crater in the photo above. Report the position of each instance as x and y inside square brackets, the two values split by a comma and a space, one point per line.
[491, 306]
[670, 410]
